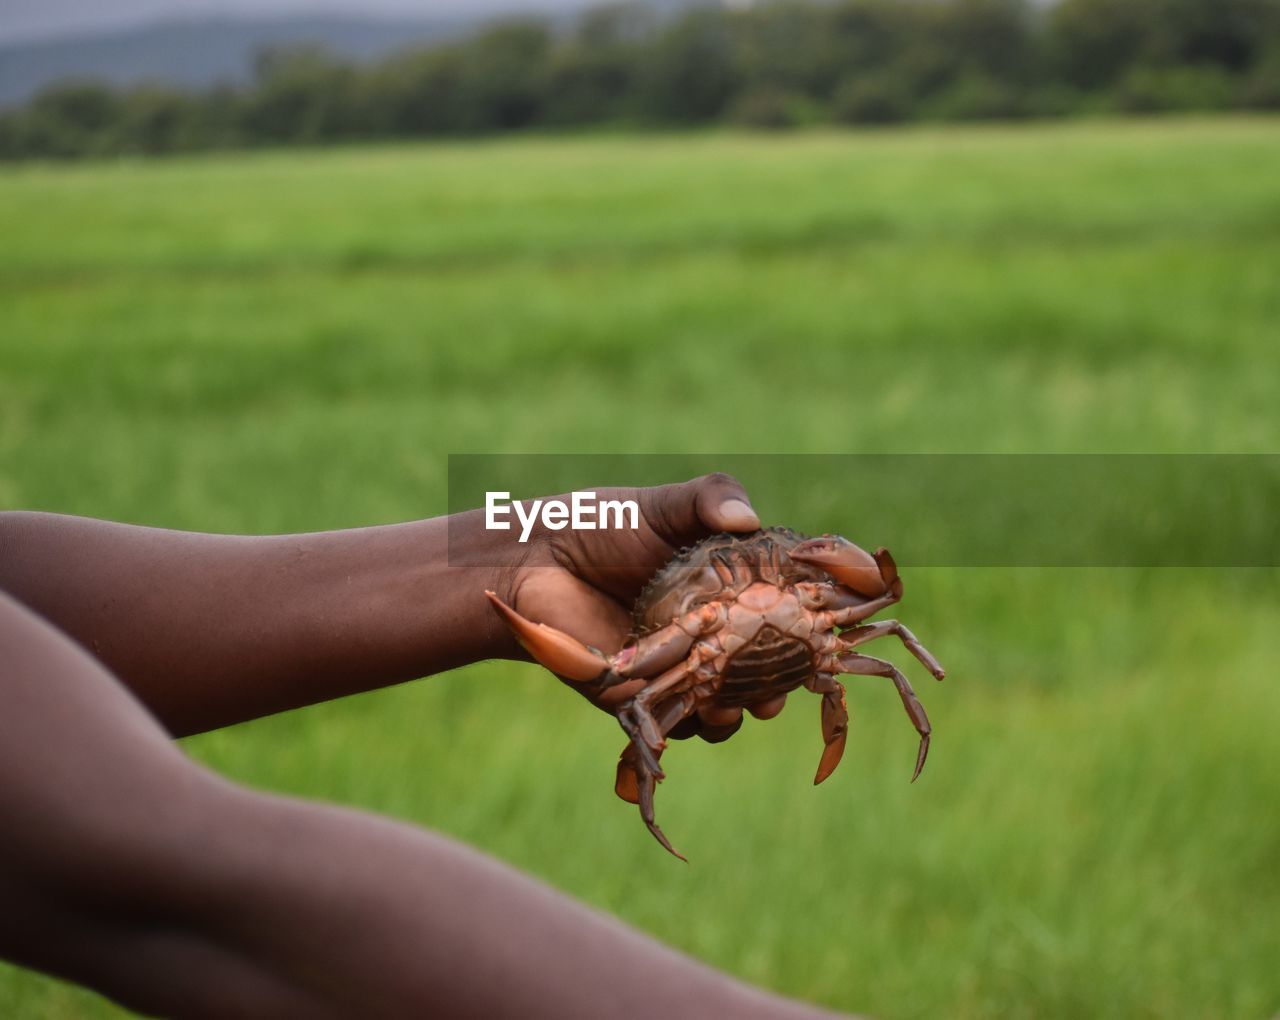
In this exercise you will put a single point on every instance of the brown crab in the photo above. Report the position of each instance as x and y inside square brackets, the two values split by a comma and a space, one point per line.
[734, 622]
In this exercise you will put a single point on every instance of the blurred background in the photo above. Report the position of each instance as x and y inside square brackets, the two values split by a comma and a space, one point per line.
[136, 77]
[264, 268]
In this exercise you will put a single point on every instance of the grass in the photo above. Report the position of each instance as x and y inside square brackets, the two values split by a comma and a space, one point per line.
[292, 341]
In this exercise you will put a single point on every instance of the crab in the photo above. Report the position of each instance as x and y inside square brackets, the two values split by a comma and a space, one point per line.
[737, 622]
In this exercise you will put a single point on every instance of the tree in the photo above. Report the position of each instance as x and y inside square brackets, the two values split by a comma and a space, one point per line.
[1092, 42]
[302, 94]
[881, 97]
[416, 94]
[502, 76]
[1095, 43]
[75, 118]
[688, 72]
[592, 75]
[989, 39]
[779, 47]
[156, 120]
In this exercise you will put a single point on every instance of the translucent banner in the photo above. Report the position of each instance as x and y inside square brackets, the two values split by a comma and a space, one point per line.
[1123, 510]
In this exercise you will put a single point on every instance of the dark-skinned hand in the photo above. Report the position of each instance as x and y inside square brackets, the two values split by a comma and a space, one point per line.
[585, 582]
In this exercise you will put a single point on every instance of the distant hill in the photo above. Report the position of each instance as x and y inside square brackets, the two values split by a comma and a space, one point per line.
[197, 53]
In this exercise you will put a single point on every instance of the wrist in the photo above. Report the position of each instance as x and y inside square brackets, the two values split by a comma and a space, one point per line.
[476, 560]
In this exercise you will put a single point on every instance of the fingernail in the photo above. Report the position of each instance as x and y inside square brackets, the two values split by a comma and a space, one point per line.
[738, 516]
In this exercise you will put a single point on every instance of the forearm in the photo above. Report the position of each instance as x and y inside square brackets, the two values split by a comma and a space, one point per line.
[347, 915]
[209, 630]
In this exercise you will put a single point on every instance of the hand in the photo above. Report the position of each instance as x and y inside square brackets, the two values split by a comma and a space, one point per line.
[585, 582]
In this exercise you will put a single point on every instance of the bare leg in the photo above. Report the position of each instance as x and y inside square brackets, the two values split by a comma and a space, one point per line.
[866, 665]
[871, 631]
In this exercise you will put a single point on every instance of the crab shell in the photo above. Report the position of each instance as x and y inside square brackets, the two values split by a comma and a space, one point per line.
[696, 575]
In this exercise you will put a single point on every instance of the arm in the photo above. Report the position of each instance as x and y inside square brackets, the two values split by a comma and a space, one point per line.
[127, 867]
[209, 630]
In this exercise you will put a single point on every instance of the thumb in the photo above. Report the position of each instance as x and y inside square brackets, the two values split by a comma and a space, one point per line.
[722, 504]
[688, 511]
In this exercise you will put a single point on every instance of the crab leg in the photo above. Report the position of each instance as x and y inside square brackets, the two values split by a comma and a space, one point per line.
[651, 653]
[835, 722]
[867, 665]
[636, 782]
[637, 719]
[850, 615]
[869, 632]
[668, 717]
[646, 783]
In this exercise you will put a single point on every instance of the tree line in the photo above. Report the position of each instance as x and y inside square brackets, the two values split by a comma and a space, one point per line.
[767, 65]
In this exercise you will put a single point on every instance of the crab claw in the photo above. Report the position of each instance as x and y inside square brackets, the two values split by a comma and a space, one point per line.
[626, 784]
[835, 731]
[559, 652]
[849, 564]
[889, 571]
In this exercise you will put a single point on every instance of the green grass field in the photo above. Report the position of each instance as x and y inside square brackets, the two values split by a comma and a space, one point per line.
[295, 341]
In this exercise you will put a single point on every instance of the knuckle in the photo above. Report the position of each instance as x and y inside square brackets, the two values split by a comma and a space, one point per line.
[720, 479]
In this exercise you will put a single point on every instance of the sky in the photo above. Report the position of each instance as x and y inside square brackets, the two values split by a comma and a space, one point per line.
[28, 19]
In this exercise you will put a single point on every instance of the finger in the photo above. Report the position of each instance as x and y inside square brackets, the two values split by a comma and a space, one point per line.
[611, 697]
[722, 504]
[716, 734]
[693, 726]
[768, 709]
[688, 511]
[713, 715]
[685, 728]
[570, 604]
